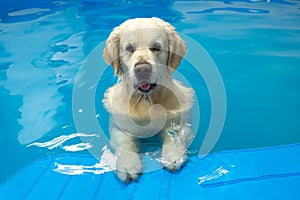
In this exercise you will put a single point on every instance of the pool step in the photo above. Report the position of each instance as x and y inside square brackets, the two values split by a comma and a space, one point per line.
[267, 173]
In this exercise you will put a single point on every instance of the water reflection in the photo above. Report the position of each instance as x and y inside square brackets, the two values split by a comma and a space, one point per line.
[62, 139]
[216, 168]
[217, 173]
[107, 163]
[29, 11]
[78, 147]
[32, 73]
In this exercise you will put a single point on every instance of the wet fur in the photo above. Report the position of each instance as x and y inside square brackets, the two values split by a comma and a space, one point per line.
[123, 100]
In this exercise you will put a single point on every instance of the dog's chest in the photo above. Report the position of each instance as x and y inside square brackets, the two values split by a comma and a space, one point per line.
[149, 126]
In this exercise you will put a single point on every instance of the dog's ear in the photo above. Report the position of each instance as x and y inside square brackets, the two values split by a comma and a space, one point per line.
[176, 49]
[111, 51]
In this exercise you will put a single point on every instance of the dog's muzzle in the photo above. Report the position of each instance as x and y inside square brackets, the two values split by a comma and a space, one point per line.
[143, 71]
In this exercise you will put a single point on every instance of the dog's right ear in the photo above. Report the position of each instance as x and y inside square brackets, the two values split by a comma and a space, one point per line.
[111, 51]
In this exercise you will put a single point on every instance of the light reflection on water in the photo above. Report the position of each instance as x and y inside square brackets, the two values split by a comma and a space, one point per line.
[78, 147]
[27, 12]
[58, 141]
[215, 168]
[39, 66]
[107, 163]
[215, 174]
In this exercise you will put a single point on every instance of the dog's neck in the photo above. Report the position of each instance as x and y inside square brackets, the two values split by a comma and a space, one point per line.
[141, 103]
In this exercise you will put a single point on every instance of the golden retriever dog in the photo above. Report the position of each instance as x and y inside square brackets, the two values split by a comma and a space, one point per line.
[147, 101]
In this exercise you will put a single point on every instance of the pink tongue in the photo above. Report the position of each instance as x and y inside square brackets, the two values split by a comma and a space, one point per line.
[145, 86]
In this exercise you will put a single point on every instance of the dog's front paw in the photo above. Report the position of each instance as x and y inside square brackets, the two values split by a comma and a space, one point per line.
[173, 156]
[129, 166]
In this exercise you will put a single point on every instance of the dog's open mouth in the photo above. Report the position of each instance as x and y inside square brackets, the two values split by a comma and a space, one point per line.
[146, 87]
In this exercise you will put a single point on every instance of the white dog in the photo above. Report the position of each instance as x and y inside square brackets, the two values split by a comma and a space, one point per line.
[146, 100]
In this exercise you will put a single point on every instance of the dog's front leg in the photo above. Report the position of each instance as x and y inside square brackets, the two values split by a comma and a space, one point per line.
[174, 153]
[129, 165]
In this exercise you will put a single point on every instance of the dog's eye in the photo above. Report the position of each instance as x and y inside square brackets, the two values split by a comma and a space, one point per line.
[156, 47]
[129, 48]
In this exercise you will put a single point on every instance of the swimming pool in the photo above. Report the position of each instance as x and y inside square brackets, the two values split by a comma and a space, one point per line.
[254, 44]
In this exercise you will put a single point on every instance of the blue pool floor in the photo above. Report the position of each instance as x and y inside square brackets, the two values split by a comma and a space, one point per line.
[266, 173]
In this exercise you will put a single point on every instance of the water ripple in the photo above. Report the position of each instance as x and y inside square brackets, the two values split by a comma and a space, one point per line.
[214, 175]
[78, 147]
[29, 11]
[107, 163]
[60, 140]
[230, 9]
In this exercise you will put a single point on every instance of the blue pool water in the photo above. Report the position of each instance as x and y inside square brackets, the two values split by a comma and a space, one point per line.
[255, 45]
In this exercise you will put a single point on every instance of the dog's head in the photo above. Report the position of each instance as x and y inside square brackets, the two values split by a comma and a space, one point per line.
[145, 51]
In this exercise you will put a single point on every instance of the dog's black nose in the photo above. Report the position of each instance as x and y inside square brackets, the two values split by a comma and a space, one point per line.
[142, 70]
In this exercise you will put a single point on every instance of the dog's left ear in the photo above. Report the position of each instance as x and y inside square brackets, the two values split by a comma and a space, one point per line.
[111, 51]
[177, 48]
